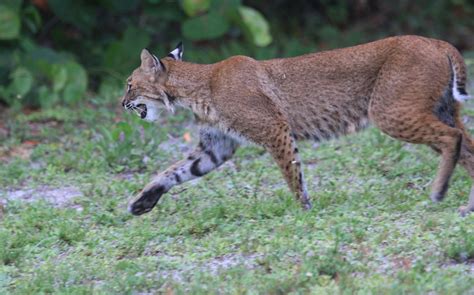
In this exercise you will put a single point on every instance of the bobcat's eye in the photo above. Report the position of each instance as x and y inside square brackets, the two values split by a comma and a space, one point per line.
[129, 86]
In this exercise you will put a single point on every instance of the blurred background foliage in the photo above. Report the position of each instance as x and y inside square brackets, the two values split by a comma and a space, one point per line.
[55, 51]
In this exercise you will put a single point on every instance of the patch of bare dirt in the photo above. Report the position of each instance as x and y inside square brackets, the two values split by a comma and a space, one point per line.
[467, 265]
[58, 197]
[214, 266]
[176, 145]
[22, 151]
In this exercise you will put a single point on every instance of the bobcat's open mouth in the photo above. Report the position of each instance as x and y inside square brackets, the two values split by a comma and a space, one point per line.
[146, 109]
[141, 110]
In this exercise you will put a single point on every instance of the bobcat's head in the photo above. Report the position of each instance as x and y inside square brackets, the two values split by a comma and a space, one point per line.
[145, 93]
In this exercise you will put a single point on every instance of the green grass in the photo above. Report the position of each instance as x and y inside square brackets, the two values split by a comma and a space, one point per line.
[237, 230]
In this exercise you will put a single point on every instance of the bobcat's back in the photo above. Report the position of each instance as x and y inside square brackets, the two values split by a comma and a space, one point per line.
[327, 94]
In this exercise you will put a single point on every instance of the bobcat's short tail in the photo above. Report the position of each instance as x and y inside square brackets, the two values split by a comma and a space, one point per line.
[458, 68]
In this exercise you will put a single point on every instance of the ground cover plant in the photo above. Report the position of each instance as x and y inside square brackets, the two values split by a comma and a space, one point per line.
[67, 175]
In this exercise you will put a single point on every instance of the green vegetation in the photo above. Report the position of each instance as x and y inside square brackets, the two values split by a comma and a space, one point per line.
[71, 159]
[100, 42]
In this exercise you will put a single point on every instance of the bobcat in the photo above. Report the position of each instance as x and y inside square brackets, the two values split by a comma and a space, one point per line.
[410, 87]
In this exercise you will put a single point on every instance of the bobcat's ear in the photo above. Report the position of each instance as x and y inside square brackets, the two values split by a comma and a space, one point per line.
[150, 62]
[177, 53]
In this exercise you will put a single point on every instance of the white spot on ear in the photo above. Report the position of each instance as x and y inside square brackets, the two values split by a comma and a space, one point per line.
[177, 54]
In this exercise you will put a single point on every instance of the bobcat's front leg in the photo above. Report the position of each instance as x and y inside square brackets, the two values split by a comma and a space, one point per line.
[282, 147]
[214, 149]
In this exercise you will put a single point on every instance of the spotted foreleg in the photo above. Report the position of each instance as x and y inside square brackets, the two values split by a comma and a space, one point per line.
[261, 121]
[283, 149]
[213, 150]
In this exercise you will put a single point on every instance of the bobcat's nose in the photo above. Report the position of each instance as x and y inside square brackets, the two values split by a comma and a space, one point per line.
[126, 104]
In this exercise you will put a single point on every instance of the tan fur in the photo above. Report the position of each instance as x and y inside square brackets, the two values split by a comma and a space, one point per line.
[401, 84]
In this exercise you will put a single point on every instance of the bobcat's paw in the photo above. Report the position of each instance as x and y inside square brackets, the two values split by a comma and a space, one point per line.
[464, 211]
[306, 205]
[146, 200]
[436, 197]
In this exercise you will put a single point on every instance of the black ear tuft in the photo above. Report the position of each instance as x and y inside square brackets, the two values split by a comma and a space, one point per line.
[156, 59]
[177, 53]
[180, 46]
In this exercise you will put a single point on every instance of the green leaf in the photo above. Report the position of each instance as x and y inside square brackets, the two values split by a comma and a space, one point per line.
[194, 7]
[22, 81]
[256, 26]
[47, 98]
[59, 77]
[227, 8]
[9, 22]
[32, 18]
[76, 85]
[206, 27]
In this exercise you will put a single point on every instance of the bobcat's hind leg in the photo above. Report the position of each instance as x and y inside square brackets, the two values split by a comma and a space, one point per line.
[449, 145]
[419, 110]
[426, 129]
[464, 210]
[466, 159]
